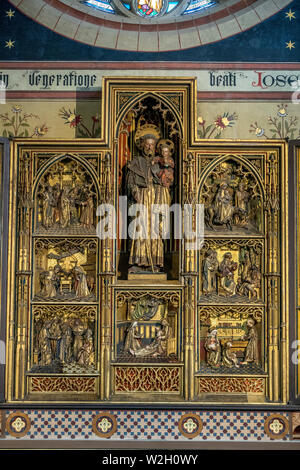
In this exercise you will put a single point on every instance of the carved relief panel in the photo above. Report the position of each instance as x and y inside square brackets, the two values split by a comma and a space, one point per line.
[241, 269]
[56, 289]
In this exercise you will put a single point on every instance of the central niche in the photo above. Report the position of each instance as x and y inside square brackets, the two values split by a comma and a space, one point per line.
[149, 145]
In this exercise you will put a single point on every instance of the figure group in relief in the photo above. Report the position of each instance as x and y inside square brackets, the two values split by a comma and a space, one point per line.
[218, 277]
[56, 282]
[65, 341]
[232, 200]
[67, 205]
[218, 354]
[158, 346]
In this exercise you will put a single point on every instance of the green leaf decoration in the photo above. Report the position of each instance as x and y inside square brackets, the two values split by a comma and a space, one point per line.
[280, 128]
[81, 132]
[286, 126]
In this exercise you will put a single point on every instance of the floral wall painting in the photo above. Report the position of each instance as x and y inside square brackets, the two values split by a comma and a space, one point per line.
[17, 123]
[85, 127]
[63, 119]
[283, 124]
[214, 129]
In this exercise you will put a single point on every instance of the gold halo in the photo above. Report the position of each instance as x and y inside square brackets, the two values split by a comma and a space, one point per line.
[166, 143]
[146, 130]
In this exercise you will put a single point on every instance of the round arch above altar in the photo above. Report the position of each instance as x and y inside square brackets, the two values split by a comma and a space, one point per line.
[127, 25]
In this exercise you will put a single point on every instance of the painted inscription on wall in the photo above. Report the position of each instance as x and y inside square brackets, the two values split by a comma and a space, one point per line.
[207, 80]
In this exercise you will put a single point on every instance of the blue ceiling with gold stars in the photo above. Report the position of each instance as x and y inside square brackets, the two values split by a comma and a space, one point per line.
[276, 39]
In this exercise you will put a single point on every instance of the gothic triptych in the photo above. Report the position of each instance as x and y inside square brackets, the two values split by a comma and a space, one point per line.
[110, 297]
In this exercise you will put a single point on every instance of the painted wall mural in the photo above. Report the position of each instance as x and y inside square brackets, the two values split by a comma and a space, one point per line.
[215, 129]
[283, 124]
[17, 123]
[233, 120]
[85, 127]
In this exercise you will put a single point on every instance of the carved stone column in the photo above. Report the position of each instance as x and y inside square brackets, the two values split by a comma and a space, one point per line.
[106, 274]
[23, 272]
[189, 274]
[273, 275]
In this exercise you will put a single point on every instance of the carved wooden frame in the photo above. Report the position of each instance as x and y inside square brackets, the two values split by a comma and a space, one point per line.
[119, 95]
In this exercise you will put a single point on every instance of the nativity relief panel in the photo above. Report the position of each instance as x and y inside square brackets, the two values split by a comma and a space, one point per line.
[147, 326]
[147, 265]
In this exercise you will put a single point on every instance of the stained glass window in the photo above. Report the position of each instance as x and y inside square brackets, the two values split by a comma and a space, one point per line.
[171, 6]
[100, 5]
[149, 8]
[127, 5]
[197, 5]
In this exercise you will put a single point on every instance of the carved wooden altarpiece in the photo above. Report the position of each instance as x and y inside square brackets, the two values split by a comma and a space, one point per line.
[94, 319]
